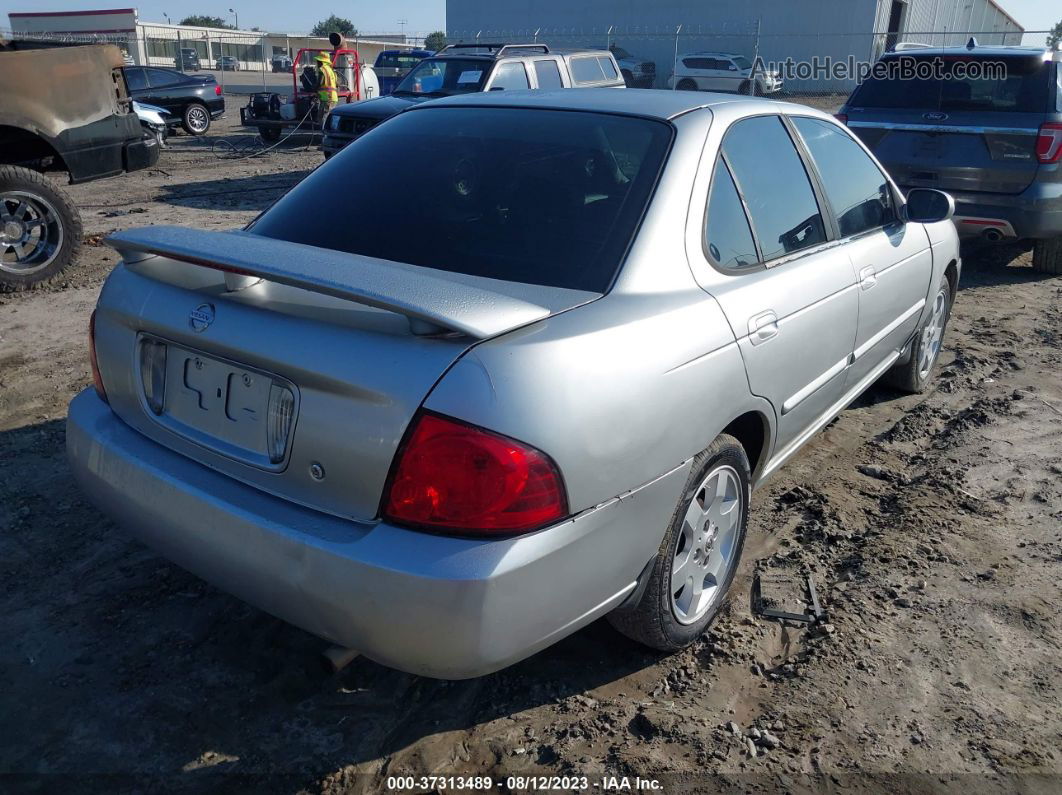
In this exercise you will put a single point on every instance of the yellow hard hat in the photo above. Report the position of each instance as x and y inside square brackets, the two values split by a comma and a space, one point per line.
[322, 56]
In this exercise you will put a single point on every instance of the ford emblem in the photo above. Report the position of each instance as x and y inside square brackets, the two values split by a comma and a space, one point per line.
[935, 115]
[201, 317]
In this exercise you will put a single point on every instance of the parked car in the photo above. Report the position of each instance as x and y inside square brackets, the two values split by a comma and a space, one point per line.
[588, 358]
[153, 120]
[281, 63]
[722, 71]
[460, 69]
[994, 142]
[187, 60]
[636, 72]
[392, 65]
[227, 63]
[89, 134]
[192, 101]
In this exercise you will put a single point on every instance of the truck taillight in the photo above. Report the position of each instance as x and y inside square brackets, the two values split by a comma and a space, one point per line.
[97, 381]
[842, 118]
[217, 91]
[1049, 142]
[458, 479]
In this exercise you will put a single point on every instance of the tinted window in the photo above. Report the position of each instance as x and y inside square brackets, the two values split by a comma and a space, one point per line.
[608, 68]
[855, 187]
[741, 62]
[510, 76]
[391, 60]
[444, 76]
[698, 63]
[548, 74]
[587, 70]
[1023, 90]
[536, 196]
[160, 78]
[134, 78]
[775, 185]
[726, 229]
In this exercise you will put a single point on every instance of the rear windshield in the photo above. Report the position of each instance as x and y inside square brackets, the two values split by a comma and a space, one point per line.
[445, 76]
[1021, 88]
[536, 196]
[396, 61]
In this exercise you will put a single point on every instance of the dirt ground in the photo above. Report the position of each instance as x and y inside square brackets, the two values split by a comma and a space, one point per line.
[931, 524]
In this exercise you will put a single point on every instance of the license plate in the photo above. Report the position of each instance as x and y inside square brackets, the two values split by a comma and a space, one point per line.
[928, 148]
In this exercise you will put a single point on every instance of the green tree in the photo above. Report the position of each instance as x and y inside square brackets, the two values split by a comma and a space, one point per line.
[334, 24]
[435, 40]
[1055, 36]
[203, 21]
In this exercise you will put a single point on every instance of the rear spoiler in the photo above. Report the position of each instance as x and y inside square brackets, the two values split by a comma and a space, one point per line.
[432, 302]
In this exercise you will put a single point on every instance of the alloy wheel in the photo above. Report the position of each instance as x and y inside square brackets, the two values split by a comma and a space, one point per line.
[933, 334]
[31, 232]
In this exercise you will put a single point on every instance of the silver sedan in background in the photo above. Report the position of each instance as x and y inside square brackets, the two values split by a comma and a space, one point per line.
[531, 378]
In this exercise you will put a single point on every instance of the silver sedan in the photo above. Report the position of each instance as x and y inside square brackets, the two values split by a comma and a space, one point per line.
[509, 363]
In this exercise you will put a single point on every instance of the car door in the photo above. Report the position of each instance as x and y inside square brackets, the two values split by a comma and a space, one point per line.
[136, 82]
[549, 74]
[725, 76]
[697, 69]
[167, 90]
[789, 290]
[509, 76]
[892, 259]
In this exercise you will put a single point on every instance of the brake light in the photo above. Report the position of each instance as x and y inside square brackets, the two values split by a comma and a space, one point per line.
[217, 91]
[97, 381]
[458, 478]
[841, 117]
[1049, 142]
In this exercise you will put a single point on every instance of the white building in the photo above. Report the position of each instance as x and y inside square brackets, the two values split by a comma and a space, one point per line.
[156, 43]
[774, 29]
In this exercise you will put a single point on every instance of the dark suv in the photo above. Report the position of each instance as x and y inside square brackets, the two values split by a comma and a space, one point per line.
[991, 140]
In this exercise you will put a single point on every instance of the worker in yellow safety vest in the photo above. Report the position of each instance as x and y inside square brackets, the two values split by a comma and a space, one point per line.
[327, 93]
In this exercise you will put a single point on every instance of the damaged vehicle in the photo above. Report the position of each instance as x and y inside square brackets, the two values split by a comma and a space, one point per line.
[459, 430]
[64, 109]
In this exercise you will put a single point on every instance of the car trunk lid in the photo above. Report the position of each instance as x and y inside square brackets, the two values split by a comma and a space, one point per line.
[357, 342]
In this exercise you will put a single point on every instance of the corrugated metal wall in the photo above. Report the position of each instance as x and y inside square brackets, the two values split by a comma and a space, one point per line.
[952, 22]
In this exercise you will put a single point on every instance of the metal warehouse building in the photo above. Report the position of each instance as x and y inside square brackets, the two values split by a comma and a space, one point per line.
[774, 29]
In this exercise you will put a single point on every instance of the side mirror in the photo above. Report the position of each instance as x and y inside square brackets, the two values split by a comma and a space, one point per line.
[928, 206]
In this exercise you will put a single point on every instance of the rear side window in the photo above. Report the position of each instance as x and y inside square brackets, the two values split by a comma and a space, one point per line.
[536, 196]
[1024, 89]
[134, 78]
[510, 76]
[548, 74]
[855, 187]
[776, 188]
[726, 231]
[587, 70]
[160, 78]
[698, 63]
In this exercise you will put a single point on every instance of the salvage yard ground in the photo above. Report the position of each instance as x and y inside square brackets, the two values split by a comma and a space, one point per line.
[932, 525]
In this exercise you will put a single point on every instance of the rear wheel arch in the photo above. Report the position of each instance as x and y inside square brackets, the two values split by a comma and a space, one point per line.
[752, 430]
[19, 145]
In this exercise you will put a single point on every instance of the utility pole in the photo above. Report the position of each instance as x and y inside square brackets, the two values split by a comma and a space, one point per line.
[233, 12]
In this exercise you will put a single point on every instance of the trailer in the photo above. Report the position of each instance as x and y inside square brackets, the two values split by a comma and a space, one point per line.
[274, 114]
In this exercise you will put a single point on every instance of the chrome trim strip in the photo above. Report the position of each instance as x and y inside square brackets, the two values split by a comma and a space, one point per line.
[865, 348]
[794, 401]
[944, 128]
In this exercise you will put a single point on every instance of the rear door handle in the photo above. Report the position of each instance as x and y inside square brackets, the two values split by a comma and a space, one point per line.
[867, 278]
[762, 327]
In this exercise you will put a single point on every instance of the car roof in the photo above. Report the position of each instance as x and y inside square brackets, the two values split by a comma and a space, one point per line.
[988, 51]
[654, 103]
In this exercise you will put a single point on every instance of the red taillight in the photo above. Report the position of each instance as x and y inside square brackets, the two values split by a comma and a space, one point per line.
[457, 478]
[841, 117]
[1049, 142]
[217, 91]
[97, 381]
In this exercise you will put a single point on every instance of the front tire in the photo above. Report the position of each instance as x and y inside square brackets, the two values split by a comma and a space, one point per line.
[196, 119]
[914, 375]
[685, 84]
[699, 555]
[1047, 256]
[40, 229]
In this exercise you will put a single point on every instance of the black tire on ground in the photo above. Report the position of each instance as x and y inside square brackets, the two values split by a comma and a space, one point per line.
[914, 375]
[196, 119]
[1047, 256]
[269, 134]
[21, 187]
[685, 84]
[652, 620]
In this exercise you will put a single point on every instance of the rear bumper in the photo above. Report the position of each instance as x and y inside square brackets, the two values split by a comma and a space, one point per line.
[443, 607]
[1034, 214]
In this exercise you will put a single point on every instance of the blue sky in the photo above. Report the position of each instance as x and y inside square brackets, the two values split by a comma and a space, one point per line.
[377, 17]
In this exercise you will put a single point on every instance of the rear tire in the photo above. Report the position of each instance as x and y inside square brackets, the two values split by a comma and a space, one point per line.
[685, 84]
[269, 134]
[1047, 256]
[196, 119]
[914, 375]
[697, 560]
[40, 215]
